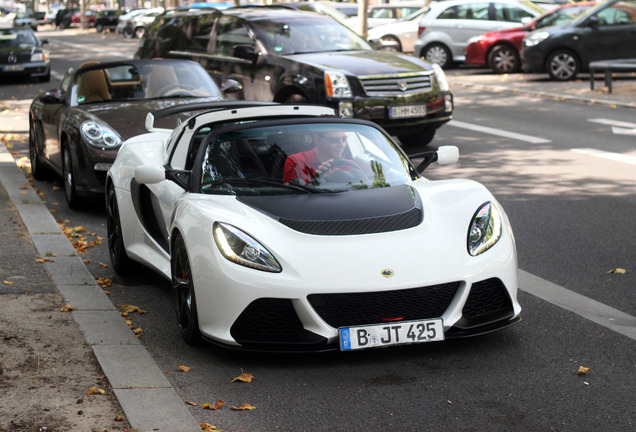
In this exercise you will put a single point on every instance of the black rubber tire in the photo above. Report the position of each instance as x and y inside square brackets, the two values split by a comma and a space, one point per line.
[504, 59]
[563, 65]
[39, 170]
[438, 53]
[184, 293]
[68, 178]
[119, 259]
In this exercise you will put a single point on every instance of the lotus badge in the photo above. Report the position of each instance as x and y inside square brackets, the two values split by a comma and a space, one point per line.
[387, 273]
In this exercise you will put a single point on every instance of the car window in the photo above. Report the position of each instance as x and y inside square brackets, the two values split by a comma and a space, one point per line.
[381, 13]
[476, 11]
[510, 13]
[230, 33]
[259, 160]
[618, 14]
[17, 37]
[195, 34]
[560, 16]
[306, 35]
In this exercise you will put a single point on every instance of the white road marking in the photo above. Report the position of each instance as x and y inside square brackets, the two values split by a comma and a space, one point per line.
[618, 127]
[498, 132]
[592, 310]
[607, 155]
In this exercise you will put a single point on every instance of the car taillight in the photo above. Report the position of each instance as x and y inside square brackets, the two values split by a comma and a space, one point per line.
[420, 30]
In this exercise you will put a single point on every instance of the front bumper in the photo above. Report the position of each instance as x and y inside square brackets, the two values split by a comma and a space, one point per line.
[439, 110]
[33, 69]
[532, 60]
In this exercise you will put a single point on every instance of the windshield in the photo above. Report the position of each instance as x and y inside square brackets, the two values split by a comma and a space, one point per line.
[17, 37]
[142, 80]
[308, 35]
[561, 16]
[301, 158]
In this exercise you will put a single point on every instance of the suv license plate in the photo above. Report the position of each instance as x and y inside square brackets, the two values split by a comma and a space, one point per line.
[407, 111]
[395, 333]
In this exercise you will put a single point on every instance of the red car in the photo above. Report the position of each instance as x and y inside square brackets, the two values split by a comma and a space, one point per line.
[76, 20]
[499, 50]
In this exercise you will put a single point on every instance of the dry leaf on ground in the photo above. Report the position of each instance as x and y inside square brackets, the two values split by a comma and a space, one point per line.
[244, 377]
[244, 407]
[214, 407]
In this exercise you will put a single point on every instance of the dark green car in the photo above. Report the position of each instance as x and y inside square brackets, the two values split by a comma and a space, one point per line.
[283, 55]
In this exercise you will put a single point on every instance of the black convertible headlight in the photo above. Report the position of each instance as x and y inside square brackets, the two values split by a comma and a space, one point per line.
[99, 135]
[242, 249]
[485, 229]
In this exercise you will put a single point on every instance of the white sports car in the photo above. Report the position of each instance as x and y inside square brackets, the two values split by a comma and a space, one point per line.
[271, 245]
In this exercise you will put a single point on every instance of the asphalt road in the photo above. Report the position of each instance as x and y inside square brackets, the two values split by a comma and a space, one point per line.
[568, 184]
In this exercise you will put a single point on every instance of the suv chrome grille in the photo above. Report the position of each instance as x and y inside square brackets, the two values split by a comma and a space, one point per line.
[397, 85]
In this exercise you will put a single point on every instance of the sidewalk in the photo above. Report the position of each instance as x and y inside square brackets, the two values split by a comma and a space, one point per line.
[40, 273]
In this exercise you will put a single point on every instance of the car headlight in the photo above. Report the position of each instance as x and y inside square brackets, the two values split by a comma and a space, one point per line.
[38, 56]
[535, 38]
[473, 40]
[99, 135]
[242, 249]
[337, 85]
[485, 229]
[442, 82]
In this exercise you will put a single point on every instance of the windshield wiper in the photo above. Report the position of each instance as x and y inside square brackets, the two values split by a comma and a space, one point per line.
[260, 181]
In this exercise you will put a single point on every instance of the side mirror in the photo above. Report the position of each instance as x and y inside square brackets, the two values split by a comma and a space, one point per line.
[231, 86]
[150, 174]
[245, 51]
[44, 41]
[52, 96]
[592, 22]
[444, 155]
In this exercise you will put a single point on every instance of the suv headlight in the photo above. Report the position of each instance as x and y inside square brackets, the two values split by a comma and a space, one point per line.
[442, 82]
[98, 135]
[241, 248]
[485, 229]
[535, 38]
[337, 85]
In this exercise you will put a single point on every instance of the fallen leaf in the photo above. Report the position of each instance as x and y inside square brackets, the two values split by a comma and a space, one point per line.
[583, 370]
[43, 260]
[244, 377]
[6, 282]
[618, 271]
[86, 261]
[207, 427]
[102, 265]
[105, 283]
[184, 368]
[244, 407]
[214, 407]
[126, 308]
[120, 418]
[137, 331]
[95, 390]
[192, 403]
[67, 308]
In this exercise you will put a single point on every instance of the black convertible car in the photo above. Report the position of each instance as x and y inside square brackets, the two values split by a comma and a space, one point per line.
[77, 129]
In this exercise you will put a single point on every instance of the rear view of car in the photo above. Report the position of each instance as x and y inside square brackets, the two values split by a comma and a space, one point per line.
[445, 30]
[605, 32]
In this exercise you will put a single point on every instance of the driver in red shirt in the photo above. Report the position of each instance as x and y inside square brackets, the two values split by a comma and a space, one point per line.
[311, 164]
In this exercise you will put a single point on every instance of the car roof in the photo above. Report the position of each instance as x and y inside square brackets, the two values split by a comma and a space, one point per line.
[256, 13]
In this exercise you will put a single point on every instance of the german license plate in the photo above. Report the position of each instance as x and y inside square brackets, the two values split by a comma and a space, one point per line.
[13, 68]
[407, 111]
[395, 333]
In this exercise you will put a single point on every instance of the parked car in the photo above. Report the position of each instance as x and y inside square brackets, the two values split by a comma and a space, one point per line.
[76, 130]
[23, 19]
[401, 34]
[106, 19]
[49, 18]
[500, 50]
[23, 54]
[604, 32]
[284, 55]
[122, 21]
[90, 16]
[394, 258]
[444, 31]
[137, 25]
[388, 13]
[64, 17]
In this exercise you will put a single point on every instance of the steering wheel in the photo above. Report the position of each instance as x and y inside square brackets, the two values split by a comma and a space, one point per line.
[336, 173]
[176, 89]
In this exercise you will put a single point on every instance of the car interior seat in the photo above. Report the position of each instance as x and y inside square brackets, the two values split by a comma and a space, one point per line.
[284, 145]
[92, 86]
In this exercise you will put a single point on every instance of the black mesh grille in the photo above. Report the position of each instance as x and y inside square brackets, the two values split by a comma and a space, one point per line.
[486, 298]
[267, 316]
[350, 309]
[397, 222]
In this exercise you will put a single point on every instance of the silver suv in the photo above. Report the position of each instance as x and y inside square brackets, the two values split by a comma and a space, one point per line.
[445, 30]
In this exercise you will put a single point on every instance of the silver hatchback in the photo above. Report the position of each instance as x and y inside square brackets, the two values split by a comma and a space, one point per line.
[445, 30]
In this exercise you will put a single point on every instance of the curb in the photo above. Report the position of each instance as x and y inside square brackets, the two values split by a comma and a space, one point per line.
[148, 400]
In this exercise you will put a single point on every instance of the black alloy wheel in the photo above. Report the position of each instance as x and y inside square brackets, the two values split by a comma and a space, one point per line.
[183, 293]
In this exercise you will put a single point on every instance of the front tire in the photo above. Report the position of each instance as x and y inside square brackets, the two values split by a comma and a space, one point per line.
[68, 177]
[438, 53]
[563, 65]
[39, 171]
[119, 259]
[504, 59]
[183, 293]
